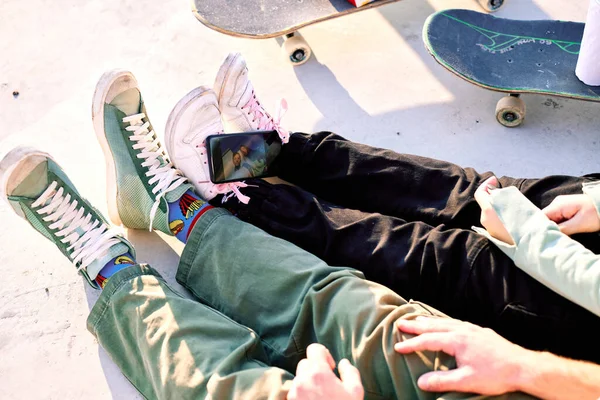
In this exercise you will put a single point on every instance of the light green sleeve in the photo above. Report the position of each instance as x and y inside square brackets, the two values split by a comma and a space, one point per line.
[592, 189]
[542, 251]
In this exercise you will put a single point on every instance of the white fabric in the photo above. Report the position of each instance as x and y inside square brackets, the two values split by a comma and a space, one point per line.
[588, 64]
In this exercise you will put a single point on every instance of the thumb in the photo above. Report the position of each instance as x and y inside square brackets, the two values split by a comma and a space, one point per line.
[456, 380]
[351, 379]
[573, 225]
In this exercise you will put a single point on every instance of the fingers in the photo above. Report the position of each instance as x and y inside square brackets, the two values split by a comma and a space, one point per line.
[483, 191]
[318, 353]
[554, 212]
[575, 213]
[423, 324]
[303, 367]
[351, 379]
[489, 218]
[490, 183]
[456, 380]
[571, 226]
[487, 185]
[437, 341]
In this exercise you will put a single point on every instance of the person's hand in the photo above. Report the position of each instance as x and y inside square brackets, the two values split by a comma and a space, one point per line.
[486, 362]
[574, 213]
[315, 378]
[489, 219]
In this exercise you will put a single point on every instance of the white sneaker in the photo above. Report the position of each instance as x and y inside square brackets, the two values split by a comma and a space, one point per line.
[193, 118]
[240, 109]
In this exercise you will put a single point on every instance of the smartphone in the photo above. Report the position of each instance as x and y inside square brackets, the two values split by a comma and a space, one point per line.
[238, 156]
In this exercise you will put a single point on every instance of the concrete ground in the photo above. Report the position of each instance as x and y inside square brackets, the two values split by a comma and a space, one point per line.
[371, 80]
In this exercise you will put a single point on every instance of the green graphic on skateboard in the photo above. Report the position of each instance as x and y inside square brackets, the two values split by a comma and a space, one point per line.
[509, 56]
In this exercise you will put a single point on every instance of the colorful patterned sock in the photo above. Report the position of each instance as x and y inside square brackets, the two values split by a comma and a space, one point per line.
[114, 265]
[184, 212]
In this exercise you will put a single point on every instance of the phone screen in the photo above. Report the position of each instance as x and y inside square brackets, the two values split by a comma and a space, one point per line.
[239, 156]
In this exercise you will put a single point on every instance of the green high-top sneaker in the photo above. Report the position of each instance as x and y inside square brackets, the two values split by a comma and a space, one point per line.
[40, 192]
[141, 180]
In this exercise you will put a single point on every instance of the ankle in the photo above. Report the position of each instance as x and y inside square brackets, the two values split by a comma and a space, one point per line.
[184, 213]
[113, 266]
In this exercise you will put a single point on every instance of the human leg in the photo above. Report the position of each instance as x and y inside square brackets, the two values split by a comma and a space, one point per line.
[367, 178]
[411, 187]
[144, 325]
[416, 260]
[170, 347]
[454, 270]
[291, 299]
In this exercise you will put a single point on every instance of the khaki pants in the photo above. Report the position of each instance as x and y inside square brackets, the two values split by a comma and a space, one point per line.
[260, 302]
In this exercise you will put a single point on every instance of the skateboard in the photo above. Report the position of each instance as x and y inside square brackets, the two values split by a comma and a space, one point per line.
[510, 56]
[261, 19]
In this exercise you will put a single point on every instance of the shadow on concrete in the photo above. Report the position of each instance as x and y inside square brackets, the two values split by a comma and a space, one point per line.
[327, 94]
[460, 117]
[407, 18]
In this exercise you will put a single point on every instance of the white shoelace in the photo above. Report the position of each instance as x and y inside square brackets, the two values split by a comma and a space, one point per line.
[65, 215]
[167, 176]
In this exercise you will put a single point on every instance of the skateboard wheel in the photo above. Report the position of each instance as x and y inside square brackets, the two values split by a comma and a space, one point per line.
[510, 111]
[296, 50]
[491, 5]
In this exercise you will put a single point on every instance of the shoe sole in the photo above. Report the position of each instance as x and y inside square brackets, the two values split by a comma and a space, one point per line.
[176, 113]
[223, 75]
[102, 88]
[10, 162]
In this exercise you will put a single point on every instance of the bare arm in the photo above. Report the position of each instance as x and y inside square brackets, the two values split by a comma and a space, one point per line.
[489, 364]
[553, 377]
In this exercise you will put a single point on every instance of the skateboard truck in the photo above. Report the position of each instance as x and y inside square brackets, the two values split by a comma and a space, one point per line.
[510, 110]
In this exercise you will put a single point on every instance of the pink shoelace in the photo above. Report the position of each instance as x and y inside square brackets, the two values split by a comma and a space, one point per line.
[266, 121]
[233, 188]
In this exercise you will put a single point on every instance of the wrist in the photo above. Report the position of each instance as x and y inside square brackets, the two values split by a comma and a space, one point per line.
[532, 371]
[526, 365]
[592, 190]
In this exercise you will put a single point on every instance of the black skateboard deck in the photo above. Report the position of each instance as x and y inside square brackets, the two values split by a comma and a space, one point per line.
[510, 56]
[260, 19]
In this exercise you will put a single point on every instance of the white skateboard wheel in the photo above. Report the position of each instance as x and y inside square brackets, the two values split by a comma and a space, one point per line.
[510, 111]
[296, 50]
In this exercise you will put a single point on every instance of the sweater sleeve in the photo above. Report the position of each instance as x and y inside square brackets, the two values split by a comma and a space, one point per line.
[545, 253]
[592, 189]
